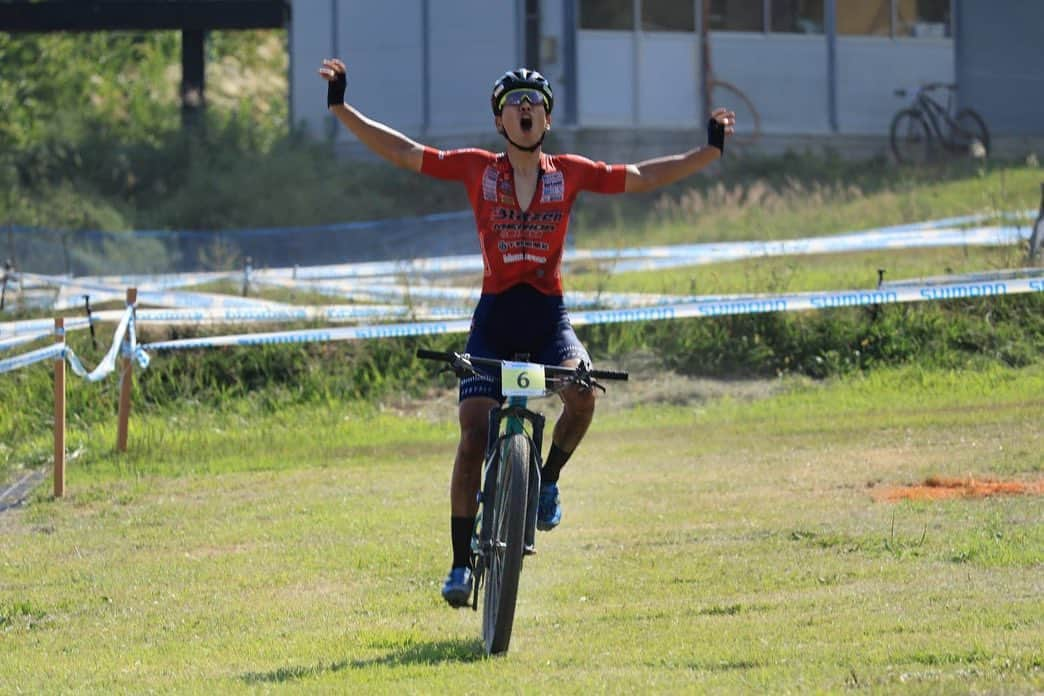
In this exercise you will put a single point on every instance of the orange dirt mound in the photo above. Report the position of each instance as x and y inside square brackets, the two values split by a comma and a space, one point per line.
[939, 487]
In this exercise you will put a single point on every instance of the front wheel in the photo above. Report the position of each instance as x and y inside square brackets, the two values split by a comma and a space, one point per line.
[504, 555]
[910, 137]
[970, 136]
[748, 120]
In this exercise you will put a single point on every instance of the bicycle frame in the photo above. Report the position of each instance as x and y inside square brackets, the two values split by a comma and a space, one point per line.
[935, 114]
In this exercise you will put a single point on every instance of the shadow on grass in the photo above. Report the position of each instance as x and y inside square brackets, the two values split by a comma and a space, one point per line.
[428, 653]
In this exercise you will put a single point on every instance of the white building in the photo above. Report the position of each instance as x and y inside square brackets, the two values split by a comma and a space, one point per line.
[629, 67]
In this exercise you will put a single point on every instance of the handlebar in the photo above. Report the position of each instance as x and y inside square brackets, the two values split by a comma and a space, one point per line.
[464, 363]
[927, 87]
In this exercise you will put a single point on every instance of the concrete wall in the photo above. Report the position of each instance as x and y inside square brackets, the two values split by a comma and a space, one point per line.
[870, 69]
[424, 67]
[1000, 64]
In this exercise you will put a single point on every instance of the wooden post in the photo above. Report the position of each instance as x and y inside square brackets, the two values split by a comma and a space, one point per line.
[59, 412]
[126, 382]
[1036, 243]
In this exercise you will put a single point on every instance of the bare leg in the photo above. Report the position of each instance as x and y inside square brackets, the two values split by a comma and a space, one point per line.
[578, 407]
[471, 450]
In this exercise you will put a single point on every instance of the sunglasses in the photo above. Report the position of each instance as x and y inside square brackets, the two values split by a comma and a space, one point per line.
[516, 96]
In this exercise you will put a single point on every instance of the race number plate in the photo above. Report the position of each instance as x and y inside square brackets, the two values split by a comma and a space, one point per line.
[522, 379]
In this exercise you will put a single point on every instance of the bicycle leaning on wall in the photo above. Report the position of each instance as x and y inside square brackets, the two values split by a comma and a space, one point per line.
[921, 129]
[505, 528]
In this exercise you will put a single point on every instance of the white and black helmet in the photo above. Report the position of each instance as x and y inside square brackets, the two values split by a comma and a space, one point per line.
[522, 78]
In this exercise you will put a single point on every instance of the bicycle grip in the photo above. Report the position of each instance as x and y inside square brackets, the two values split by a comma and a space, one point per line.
[610, 374]
[426, 354]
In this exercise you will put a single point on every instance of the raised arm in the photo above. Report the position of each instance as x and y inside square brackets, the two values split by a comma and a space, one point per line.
[661, 171]
[383, 140]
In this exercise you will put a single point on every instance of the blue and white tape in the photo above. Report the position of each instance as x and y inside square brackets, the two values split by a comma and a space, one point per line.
[946, 232]
[51, 352]
[698, 307]
[354, 333]
[804, 301]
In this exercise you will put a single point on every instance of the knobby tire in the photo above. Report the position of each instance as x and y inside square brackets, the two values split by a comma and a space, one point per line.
[910, 137]
[748, 120]
[970, 128]
[504, 563]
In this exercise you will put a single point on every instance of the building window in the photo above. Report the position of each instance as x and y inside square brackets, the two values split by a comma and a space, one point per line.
[607, 14]
[668, 15]
[737, 15]
[864, 17]
[797, 16]
[923, 18]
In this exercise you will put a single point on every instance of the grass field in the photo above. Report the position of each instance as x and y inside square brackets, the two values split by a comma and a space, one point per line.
[726, 542]
[723, 537]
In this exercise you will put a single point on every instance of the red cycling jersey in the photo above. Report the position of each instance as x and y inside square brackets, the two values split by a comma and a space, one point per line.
[522, 246]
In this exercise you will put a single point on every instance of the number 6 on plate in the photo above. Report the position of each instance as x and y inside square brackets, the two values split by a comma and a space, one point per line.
[522, 379]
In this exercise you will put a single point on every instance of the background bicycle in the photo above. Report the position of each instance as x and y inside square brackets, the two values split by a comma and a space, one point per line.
[506, 524]
[927, 126]
[715, 92]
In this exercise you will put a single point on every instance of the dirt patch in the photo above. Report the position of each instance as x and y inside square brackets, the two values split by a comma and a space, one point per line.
[943, 488]
[650, 383]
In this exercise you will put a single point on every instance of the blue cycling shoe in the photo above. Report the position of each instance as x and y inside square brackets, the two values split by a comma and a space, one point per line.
[457, 588]
[549, 509]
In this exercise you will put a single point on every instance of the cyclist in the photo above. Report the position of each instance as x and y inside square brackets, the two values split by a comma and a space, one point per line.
[521, 199]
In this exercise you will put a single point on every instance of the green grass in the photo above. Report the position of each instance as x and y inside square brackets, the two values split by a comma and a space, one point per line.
[721, 546]
[820, 199]
[803, 273]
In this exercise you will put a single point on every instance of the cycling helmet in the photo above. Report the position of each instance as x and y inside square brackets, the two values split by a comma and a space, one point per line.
[522, 78]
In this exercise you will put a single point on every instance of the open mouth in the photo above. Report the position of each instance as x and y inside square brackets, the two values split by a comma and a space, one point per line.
[526, 122]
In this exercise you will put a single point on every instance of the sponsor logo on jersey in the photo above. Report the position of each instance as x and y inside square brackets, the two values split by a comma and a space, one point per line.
[489, 184]
[553, 188]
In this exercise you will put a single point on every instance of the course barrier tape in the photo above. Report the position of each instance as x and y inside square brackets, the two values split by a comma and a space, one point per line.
[804, 301]
[9, 343]
[706, 307]
[26, 331]
[108, 363]
[945, 232]
[980, 276]
[353, 333]
[50, 352]
[123, 338]
[356, 279]
[738, 251]
[73, 290]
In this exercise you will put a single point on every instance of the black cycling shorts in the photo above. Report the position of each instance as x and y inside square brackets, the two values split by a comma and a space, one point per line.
[524, 321]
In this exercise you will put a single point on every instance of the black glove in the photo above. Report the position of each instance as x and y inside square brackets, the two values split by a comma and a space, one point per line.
[335, 89]
[716, 135]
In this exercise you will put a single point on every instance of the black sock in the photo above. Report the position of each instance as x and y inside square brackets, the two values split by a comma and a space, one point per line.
[461, 529]
[556, 459]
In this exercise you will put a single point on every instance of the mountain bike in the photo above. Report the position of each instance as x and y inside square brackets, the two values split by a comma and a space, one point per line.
[916, 130]
[505, 529]
[715, 92]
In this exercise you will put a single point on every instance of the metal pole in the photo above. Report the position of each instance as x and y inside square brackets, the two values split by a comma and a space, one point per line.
[426, 66]
[636, 103]
[705, 59]
[569, 69]
[830, 10]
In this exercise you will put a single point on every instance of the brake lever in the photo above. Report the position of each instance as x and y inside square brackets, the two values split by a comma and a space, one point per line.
[461, 366]
[584, 380]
